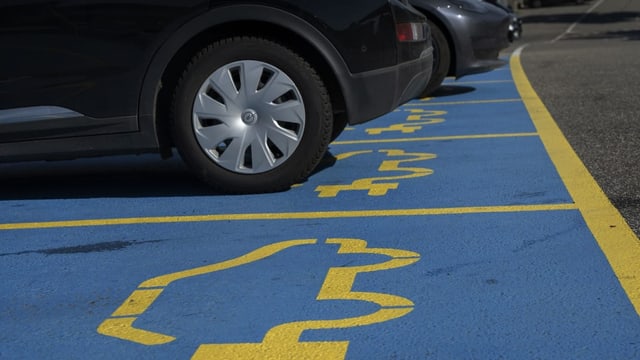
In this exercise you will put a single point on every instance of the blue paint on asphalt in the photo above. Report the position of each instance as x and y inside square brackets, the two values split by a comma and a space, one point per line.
[469, 172]
[482, 289]
[531, 285]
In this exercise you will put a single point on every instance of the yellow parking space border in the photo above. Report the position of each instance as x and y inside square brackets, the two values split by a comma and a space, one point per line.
[435, 138]
[287, 216]
[614, 236]
[457, 82]
[427, 102]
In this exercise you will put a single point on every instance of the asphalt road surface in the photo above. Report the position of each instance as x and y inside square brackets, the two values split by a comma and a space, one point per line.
[583, 62]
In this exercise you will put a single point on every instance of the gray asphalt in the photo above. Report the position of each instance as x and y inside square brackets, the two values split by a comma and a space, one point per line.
[584, 63]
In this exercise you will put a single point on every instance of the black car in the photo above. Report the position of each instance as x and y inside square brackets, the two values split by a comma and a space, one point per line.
[249, 92]
[468, 36]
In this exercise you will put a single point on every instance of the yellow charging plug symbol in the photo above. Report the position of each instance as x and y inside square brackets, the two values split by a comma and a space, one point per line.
[415, 122]
[379, 186]
[281, 341]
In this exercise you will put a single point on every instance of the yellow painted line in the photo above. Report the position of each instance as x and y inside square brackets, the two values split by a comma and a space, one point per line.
[616, 239]
[123, 328]
[434, 138]
[284, 341]
[137, 303]
[253, 256]
[281, 341]
[287, 216]
[468, 102]
[478, 82]
[120, 324]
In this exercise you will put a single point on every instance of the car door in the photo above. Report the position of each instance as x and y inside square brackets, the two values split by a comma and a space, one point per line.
[75, 67]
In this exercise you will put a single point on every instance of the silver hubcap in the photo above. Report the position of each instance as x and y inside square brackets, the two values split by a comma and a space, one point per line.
[248, 117]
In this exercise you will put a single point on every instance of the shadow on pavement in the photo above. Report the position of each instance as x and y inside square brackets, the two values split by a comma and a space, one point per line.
[108, 177]
[121, 176]
[592, 18]
[632, 35]
[451, 90]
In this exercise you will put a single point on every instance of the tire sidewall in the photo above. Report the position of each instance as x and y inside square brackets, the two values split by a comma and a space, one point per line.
[442, 63]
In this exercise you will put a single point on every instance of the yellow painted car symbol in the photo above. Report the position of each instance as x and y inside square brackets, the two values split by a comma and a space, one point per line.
[281, 341]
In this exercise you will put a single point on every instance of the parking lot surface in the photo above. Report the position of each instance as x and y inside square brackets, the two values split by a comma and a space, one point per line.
[461, 226]
[581, 61]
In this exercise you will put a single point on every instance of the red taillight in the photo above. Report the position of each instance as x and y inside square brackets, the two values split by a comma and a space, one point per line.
[410, 32]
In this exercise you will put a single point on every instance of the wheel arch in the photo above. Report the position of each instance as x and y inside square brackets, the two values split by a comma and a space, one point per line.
[234, 20]
[446, 30]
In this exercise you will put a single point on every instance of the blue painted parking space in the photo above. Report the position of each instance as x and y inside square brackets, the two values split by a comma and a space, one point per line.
[480, 289]
[443, 230]
[468, 171]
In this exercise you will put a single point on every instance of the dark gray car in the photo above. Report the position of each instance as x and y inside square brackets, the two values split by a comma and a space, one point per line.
[467, 35]
[250, 93]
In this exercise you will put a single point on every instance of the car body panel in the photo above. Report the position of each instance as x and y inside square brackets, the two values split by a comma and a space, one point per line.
[106, 64]
[515, 26]
[476, 34]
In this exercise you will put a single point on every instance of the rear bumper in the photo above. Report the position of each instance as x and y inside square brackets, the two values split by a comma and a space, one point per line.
[375, 93]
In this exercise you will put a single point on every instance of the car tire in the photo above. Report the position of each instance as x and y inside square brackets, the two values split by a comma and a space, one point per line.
[339, 124]
[441, 59]
[250, 116]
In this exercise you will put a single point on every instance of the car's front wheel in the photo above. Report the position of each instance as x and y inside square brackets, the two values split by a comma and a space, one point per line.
[250, 115]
